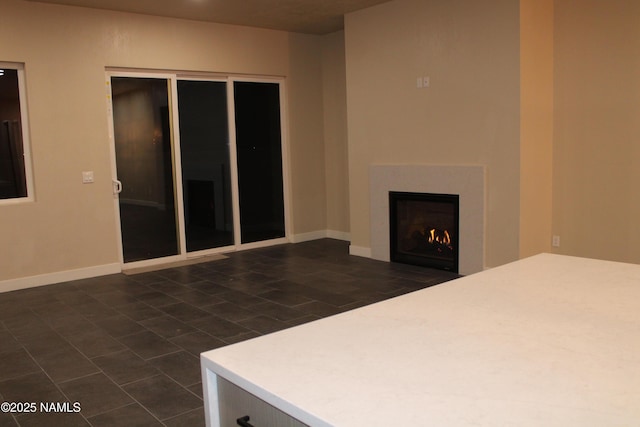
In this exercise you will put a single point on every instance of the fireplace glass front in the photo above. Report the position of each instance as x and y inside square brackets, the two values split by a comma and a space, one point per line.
[424, 229]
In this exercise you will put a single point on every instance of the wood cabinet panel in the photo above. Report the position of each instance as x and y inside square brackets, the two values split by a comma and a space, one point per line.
[234, 402]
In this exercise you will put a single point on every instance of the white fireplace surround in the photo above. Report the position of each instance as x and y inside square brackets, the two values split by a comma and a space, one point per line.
[466, 181]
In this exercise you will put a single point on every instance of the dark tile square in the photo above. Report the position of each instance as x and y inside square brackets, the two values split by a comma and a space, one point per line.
[94, 342]
[146, 278]
[75, 298]
[170, 288]
[328, 276]
[58, 358]
[7, 342]
[167, 326]
[163, 397]
[248, 286]
[319, 308]
[95, 310]
[139, 311]
[230, 311]
[219, 328]
[198, 299]
[182, 367]
[192, 418]
[240, 298]
[52, 419]
[256, 277]
[119, 325]
[285, 297]
[27, 326]
[124, 367]
[277, 311]
[115, 298]
[95, 393]
[147, 344]
[70, 323]
[197, 342]
[156, 299]
[303, 320]
[130, 415]
[242, 337]
[7, 420]
[264, 324]
[325, 296]
[16, 363]
[35, 387]
[207, 287]
[196, 389]
[51, 311]
[183, 275]
[185, 312]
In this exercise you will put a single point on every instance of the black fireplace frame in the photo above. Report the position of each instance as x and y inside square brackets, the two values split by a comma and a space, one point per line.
[397, 256]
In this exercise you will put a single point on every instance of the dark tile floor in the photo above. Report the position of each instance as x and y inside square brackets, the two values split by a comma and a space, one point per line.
[126, 347]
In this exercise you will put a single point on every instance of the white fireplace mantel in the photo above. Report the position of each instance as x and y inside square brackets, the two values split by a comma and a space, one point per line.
[466, 181]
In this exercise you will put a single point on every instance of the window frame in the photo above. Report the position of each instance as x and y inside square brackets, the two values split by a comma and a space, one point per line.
[26, 138]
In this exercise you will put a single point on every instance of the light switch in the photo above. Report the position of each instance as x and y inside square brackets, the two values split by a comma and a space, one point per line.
[87, 177]
[423, 82]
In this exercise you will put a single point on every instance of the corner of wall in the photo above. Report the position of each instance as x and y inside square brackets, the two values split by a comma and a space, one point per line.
[536, 126]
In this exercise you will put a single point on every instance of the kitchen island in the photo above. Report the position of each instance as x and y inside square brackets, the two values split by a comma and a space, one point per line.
[546, 341]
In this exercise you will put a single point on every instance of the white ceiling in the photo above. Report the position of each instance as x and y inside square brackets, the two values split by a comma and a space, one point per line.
[304, 16]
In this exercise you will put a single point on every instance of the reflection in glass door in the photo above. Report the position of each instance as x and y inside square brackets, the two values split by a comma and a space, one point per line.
[259, 151]
[206, 172]
[144, 166]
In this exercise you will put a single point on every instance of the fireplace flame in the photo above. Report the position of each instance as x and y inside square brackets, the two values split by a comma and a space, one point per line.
[441, 238]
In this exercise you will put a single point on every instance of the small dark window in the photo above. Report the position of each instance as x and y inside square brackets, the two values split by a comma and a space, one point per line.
[14, 153]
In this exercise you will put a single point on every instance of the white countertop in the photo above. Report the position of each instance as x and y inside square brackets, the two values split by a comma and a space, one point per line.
[546, 341]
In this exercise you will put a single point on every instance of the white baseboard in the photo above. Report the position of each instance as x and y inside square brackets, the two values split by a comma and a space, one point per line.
[58, 277]
[360, 251]
[320, 234]
[102, 270]
[339, 235]
[306, 237]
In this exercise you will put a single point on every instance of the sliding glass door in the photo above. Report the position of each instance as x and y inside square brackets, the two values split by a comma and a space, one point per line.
[258, 142]
[198, 165]
[206, 166]
[143, 151]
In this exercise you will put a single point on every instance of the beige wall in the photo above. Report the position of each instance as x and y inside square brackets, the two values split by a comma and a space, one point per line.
[307, 129]
[597, 128]
[65, 51]
[468, 115]
[536, 126]
[335, 123]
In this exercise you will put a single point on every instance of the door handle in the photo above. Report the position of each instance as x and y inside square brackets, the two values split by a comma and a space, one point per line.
[117, 186]
[244, 421]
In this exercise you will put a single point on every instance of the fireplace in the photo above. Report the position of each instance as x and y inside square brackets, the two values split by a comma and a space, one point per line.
[423, 229]
[467, 181]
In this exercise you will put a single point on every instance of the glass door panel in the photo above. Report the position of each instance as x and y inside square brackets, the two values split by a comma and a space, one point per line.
[259, 154]
[144, 165]
[206, 173]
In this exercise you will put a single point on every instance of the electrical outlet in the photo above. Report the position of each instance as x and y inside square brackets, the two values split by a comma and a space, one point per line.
[87, 177]
[555, 241]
